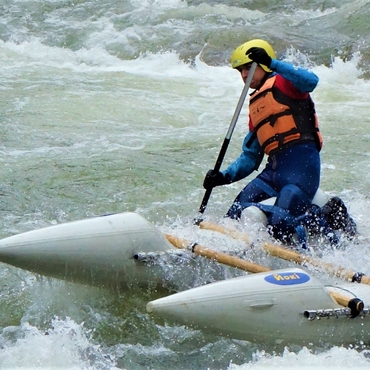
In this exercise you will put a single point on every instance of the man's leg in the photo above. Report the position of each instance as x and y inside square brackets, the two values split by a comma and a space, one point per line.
[282, 220]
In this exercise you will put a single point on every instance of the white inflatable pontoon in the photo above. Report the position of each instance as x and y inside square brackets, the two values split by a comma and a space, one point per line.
[97, 251]
[114, 251]
[282, 307]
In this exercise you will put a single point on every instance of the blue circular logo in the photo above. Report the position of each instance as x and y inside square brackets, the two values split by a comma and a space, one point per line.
[287, 278]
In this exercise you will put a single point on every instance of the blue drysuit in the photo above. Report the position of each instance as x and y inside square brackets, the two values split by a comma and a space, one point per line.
[291, 174]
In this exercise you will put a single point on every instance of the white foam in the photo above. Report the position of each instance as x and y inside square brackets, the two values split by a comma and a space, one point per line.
[337, 358]
[63, 345]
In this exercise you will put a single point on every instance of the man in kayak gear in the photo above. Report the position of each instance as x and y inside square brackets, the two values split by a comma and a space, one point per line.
[283, 125]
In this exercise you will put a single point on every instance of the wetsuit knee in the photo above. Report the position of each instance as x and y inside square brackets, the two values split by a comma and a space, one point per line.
[282, 221]
[256, 191]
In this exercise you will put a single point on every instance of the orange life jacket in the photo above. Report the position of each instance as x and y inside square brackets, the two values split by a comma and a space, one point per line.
[280, 121]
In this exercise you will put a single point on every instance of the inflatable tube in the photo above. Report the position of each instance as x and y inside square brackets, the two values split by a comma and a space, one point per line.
[97, 251]
[283, 306]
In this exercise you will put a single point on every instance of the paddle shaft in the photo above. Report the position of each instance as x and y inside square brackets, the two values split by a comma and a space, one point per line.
[229, 133]
[247, 266]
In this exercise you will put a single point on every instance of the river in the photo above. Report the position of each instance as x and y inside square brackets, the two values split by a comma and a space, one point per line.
[115, 105]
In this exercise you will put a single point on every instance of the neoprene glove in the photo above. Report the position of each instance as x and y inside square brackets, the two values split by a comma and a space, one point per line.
[215, 178]
[259, 56]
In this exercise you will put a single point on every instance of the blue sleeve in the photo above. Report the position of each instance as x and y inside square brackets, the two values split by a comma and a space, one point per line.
[305, 81]
[248, 161]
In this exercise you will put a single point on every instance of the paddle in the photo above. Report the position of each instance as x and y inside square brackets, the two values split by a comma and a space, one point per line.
[229, 133]
[292, 256]
[356, 305]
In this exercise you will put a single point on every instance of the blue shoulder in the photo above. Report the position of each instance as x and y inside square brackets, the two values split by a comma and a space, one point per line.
[303, 79]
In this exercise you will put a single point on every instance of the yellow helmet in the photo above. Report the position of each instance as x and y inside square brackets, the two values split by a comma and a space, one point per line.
[239, 58]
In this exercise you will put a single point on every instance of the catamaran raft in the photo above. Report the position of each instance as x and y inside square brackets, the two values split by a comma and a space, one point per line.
[288, 306]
